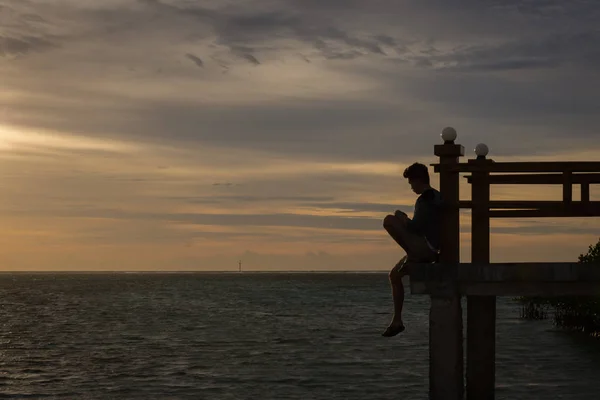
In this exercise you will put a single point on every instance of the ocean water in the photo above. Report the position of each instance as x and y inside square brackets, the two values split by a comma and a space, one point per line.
[252, 336]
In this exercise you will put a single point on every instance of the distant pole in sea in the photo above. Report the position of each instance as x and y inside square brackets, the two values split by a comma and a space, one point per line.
[240, 265]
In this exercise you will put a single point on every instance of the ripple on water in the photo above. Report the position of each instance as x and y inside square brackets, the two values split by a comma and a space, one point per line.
[270, 336]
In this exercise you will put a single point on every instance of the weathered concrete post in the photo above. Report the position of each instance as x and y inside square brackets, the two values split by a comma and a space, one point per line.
[481, 310]
[446, 381]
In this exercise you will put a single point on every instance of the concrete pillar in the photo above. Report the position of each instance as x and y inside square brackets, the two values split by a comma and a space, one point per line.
[446, 380]
[481, 310]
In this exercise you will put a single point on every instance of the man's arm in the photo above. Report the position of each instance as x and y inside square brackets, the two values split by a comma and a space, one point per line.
[400, 214]
[425, 211]
[420, 219]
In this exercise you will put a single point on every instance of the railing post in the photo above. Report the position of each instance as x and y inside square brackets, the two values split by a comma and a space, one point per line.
[567, 188]
[585, 192]
[481, 310]
[446, 380]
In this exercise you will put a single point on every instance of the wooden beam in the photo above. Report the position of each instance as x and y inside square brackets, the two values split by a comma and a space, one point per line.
[481, 309]
[506, 272]
[533, 204]
[571, 212]
[540, 209]
[539, 179]
[547, 289]
[546, 166]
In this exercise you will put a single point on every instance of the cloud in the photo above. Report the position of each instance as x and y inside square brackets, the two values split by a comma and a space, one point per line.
[297, 127]
[197, 60]
[216, 199]
[316, 117]
[238, 220]
[245, 53]
[246, 30]
[548, 51]
[354, 29]
[348, 207]
[12, 47]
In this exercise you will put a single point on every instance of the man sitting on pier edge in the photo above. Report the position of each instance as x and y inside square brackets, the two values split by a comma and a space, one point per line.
[419, 237]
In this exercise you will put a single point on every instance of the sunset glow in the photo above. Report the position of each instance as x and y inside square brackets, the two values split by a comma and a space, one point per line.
[274, 136]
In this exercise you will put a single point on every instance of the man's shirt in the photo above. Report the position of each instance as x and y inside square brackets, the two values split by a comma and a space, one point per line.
[427, 218]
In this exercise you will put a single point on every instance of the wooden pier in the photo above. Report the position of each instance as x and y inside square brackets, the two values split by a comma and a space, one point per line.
[481, 281]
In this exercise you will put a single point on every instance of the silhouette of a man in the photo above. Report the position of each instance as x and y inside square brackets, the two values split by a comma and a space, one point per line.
[419, 237]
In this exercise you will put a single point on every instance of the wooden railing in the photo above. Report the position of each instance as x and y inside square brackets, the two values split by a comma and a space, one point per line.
[481, 280]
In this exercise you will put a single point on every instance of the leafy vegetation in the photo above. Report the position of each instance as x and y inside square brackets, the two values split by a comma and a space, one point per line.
[581, 313]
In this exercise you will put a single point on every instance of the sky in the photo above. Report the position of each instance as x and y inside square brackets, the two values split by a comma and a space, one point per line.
[188, 135]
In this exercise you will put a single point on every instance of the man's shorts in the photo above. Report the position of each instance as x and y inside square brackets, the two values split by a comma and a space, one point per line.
[417, 248]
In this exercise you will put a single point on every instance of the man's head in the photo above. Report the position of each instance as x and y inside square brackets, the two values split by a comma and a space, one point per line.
[418, 177]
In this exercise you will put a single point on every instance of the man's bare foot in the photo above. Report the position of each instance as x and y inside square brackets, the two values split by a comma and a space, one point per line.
[393, 329]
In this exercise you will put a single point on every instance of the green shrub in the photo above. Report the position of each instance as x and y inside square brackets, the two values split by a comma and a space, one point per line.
[581, 313]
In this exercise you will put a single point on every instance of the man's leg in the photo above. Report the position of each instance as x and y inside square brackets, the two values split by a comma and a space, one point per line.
[395, 227]
[396, 274]
[417, 250]
[415, 246]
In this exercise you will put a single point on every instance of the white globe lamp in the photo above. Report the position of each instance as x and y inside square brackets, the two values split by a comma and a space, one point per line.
[449, 134]
[481, 150]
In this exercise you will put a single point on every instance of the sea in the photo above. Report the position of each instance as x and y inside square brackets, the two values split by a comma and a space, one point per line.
[252, 336]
